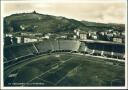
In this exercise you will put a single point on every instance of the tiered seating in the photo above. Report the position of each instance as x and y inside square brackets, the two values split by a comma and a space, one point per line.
[90, 48]
[98, 48]
[76, 45]
[32, 48]
[44, 46]
[8, 54]
[17, 51]
[65, 45]
[103, 49]
[21, 51]
[107, 48]
[119, 48]
[69, 45]
[55, 45]
[14, 53]
[82, 47]
[118, 51]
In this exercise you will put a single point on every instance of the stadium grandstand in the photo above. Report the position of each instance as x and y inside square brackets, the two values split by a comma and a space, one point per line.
[24, 53]
[15, 52]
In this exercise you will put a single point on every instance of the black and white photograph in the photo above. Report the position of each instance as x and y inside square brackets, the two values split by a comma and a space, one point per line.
[63, 44]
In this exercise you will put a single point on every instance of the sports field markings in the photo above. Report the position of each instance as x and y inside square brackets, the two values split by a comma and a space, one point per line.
[16, 75]
[26, 60]
[34, 58]
[40, 75]
[112, 59]
[66, 75]
[16, 63]
[48, 70]
[22, 61]
[97, 61]
[46, 81]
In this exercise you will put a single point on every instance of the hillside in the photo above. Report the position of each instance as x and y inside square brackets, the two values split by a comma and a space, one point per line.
[35, 22]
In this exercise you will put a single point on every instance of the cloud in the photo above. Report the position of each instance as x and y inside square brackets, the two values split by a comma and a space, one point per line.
[97, 12]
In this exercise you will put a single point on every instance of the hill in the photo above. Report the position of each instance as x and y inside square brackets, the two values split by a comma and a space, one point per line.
[35, 22]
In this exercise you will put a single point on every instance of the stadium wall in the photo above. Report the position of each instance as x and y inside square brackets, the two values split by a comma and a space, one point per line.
[15, 53]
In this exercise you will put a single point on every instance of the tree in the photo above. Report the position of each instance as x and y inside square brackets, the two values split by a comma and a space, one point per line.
[7, 41]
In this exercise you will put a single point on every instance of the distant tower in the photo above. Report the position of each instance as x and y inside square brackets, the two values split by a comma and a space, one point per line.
[34, 12]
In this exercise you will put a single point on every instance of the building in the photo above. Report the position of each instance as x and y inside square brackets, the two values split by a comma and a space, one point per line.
[74, 36]
[102, 33]
[20, 39]
[27, 40]
[63, 36]
[83, 36]
[77, 32]
[118, 39]
[8, 35]
[94, 37]
[22, 27]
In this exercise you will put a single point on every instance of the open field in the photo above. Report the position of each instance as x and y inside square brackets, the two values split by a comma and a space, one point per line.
[65, 70]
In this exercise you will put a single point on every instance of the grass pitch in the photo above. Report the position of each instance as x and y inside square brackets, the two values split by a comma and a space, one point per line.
[67, 70]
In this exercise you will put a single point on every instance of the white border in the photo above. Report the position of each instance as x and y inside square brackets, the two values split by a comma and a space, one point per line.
[1, 43]
[63, 1]
[126, 46]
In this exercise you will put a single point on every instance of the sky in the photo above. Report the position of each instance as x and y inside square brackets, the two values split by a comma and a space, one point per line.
[104, 12]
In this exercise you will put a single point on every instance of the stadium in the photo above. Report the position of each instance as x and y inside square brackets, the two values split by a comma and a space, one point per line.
[65, 63]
